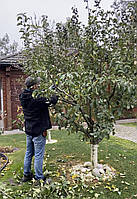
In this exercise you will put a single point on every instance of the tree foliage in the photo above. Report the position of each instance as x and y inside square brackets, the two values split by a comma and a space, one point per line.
[92, 68]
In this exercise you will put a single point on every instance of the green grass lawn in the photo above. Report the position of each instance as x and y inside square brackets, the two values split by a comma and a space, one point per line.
[134, 124]
[59, 158]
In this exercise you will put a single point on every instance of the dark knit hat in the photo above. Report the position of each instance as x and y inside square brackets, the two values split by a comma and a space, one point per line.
[31, 81]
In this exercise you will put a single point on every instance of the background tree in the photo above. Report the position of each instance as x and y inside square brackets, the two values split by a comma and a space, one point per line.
[92, 68]
[6, 47]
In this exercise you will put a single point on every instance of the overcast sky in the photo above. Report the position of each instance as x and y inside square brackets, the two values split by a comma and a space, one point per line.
[56, 10]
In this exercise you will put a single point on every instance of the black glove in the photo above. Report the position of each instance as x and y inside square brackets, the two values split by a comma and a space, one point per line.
[54, 99]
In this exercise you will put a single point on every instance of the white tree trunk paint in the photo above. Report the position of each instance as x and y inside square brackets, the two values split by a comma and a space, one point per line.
[94, 155]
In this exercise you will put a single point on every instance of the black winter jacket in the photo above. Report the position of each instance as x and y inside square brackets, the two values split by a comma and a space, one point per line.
[36, 113]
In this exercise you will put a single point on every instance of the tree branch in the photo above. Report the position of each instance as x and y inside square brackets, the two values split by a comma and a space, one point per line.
[112, 94]
[67, 101]
[81, 128]
[62, 91]
[89, 121]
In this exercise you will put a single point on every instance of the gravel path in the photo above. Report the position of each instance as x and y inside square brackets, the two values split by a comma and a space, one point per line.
[125, 132]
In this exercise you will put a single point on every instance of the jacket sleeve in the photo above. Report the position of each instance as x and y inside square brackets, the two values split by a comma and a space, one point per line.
[53, 99]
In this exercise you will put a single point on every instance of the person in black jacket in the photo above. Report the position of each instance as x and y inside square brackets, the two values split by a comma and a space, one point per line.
[37, 122]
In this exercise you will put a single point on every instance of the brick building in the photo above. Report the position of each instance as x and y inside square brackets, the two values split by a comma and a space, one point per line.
[11, 76]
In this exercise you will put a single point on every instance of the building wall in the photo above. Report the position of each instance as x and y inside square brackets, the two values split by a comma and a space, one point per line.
[12, 81]
[17, 79]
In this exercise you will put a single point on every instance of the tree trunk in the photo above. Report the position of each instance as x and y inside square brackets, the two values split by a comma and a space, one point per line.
[94, 155]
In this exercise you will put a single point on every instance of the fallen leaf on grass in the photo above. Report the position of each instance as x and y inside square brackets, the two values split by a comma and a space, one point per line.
[95, 181]
[96, 195]
[58, 174]
[101, 161]
[74, 176]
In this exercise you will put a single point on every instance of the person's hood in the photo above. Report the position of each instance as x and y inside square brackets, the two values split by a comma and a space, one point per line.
[25, 96]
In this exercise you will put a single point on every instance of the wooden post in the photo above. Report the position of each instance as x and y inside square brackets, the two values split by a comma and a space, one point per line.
[49, 139]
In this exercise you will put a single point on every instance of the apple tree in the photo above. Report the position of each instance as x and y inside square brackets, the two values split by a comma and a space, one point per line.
[92, 67]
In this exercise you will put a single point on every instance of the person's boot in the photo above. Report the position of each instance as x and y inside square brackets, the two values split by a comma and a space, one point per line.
[27, 178]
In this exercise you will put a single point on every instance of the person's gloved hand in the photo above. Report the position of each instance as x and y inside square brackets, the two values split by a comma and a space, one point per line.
[54, 99]
[45, 133]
